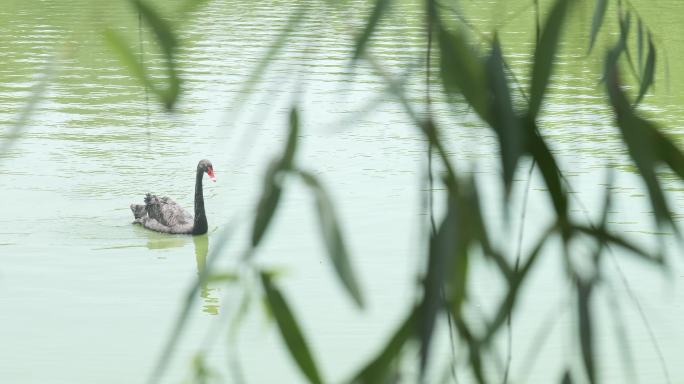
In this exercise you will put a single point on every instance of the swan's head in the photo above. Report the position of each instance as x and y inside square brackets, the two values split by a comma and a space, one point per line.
[205, 166]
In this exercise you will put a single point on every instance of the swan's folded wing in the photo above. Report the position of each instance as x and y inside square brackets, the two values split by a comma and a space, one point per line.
[166, 211]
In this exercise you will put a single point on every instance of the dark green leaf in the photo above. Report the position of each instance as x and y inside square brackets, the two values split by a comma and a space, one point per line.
[625, 26]
[443, 250]
[669, 152]
[547, 164]
[477, 232]
[289, 329]
[270, 196]
[168, 44]
[379, 9]
[377, 370]
[291, 146]
[642, 140]
[462, 71]
[545, 54]
[567, 378]
[640, 44]
[128, 57]
[508, 302]
[584, 291]
[597, 21]
[604, 236]
[503, 118]
[161, 28]
[332, 235]
[649, 70]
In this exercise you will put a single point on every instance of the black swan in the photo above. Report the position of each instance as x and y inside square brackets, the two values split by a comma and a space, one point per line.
[162, 214]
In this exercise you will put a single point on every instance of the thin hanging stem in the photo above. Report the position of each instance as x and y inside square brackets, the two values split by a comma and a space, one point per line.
[141, 44]
[430, 14]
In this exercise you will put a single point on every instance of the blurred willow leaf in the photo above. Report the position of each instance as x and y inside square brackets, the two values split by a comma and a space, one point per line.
[379, 9]
[597, 21]
[640, 44]
[272, 187]
[625, 23]
[377, 370]
[549, 169]
[333, 237]
[291, 145]
[462, 70]
[168, 43]
[567, 377]
[649, 70]
[584, 290]
[544, 55]
[160, 27]
[503, 119]
[446, 278]
[647, 147]
[505, 308]
[128, 58]
[603, 236]
[444, 247]
[270, 196]
[289, 329]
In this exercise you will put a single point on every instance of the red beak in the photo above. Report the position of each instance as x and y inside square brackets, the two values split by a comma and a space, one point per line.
[210, 172]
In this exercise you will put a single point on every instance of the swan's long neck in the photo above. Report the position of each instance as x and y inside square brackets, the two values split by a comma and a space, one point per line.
[200, 226]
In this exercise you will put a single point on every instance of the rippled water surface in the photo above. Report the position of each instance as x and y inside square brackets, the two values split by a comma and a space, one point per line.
[86, 297]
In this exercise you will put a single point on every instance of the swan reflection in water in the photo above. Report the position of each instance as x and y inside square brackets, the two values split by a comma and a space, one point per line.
[201, 242]
[211, 304]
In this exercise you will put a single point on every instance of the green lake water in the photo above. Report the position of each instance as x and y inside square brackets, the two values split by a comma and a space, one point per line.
[86, 297]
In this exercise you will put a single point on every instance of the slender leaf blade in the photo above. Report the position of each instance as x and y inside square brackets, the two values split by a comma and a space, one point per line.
[332, 235]
[127, 57]
[567, 377]
[640, 44]
[291, 145]
[641, 138]
[462, 70]
[503, 118]
[603, 236]
[443, 251]
[584, 291]
[549, 169]
[379, 9]
[168, 44]
[290, 330]
[545, 54]
[597, 21]
[378, 369]
[669, 152]
[649, 71]
[268, 203]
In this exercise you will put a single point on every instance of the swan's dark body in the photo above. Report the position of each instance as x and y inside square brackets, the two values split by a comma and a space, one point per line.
[162, 214]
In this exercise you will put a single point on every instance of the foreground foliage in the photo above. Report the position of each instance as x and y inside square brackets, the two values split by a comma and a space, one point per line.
[482, 79]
